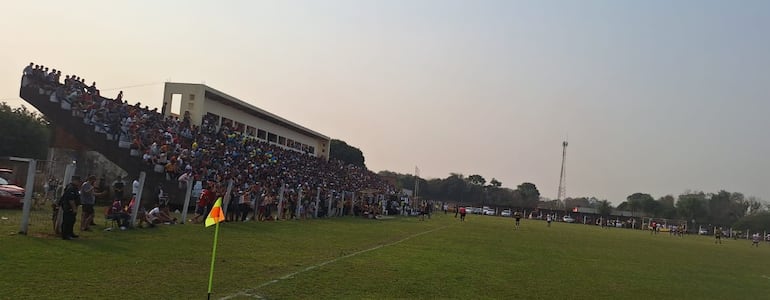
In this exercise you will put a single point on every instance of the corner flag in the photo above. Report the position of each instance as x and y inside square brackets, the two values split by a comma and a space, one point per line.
[215, 215]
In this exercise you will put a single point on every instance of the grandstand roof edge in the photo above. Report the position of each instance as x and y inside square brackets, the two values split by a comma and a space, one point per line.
[256, 109]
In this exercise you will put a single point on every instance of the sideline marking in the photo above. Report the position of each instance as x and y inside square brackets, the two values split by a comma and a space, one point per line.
[250, 292]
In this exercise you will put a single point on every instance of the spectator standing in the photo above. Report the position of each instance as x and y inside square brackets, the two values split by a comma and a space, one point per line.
[117, 188]
[87, 199]
[69, 204]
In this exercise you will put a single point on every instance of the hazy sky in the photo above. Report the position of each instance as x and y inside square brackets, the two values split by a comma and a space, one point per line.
[655, 96]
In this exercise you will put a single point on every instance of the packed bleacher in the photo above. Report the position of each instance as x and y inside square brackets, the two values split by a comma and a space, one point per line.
[214, 154]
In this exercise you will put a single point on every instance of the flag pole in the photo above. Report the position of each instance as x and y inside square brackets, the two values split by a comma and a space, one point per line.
[215, 217]
[213, 257]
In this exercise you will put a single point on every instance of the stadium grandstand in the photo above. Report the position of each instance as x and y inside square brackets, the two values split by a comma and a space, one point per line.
[214, 140]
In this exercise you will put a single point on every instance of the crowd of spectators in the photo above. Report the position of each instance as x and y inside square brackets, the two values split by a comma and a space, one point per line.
[216, 154]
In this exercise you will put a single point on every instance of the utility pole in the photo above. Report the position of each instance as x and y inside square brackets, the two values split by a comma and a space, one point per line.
[416, 184]
[562, 193]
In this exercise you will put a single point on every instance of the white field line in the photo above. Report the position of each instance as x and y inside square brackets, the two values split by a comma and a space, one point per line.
[250, 292]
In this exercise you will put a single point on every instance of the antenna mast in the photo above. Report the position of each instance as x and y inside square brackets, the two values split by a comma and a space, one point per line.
[563, 177]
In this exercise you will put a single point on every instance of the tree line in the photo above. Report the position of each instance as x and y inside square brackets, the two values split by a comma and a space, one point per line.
[470, 190]
[722, 208]
[25, 133]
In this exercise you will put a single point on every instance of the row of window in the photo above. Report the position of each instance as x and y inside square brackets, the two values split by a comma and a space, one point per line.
[261, 134]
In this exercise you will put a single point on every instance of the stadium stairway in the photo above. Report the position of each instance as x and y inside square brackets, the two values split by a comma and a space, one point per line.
[100, 142]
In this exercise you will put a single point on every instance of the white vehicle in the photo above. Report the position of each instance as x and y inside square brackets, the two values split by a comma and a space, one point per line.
[568, 219]
[489, 212]
[506, 213]
[703, 231]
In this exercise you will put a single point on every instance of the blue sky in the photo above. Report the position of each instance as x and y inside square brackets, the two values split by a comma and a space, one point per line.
[655, 96]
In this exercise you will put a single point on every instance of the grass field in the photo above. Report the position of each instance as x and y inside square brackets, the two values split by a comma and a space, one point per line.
[352, 258]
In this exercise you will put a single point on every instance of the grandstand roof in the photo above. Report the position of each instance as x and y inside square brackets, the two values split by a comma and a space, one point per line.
[216, 95]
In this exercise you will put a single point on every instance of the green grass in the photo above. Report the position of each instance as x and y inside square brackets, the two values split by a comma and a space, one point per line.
[483, 258]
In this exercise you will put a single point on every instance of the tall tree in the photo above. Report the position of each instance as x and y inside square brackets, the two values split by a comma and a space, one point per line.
[666, 208]
[477, 179]
[25, 133]
[495, 183]
[342, 151]
[529, 194]
[693, 207]
[641, 201]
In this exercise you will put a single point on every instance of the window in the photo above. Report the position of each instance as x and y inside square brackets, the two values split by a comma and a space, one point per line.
[282, 140]
[238, 126]
[290, 143]
[311, 149]
[227, 123]
[262, 134]
[176, 103]
[190, 105]
[251, 131]
[272, 137]
[213, 119]
[192, 97]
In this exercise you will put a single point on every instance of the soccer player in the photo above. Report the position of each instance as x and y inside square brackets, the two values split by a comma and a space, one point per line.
[718, 235]
[548, 219]
[462, 214]
[517, 215]
[755, 240]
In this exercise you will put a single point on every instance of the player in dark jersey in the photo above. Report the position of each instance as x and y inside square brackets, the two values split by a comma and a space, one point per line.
[517, 216]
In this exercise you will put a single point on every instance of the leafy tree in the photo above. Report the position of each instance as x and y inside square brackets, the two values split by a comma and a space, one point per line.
[528, 194]
[693, 206]
[756, 222]
[666, 208]
[477, 179]
[726, 208]
[342, 151]
[754, 205]
[25, 133]
[604, 208]
[643, 202]
[495, 183]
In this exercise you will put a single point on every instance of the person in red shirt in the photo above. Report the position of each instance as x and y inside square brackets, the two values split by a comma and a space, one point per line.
[203, 204]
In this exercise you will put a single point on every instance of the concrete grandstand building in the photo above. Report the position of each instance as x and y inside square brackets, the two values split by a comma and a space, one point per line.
[200, 102]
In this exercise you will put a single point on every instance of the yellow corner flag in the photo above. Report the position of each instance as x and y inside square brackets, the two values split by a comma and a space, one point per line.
[215, 215]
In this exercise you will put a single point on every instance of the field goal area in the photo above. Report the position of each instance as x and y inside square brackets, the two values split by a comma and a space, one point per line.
[666, 225]
[43, 182]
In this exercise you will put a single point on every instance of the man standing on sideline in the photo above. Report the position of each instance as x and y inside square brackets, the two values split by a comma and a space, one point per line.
[87, 199]
[69, 205]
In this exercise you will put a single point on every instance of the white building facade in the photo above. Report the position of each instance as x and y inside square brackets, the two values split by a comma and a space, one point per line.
[199, 100]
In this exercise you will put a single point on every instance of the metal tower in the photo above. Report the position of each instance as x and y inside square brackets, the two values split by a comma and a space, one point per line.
[563, 177]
